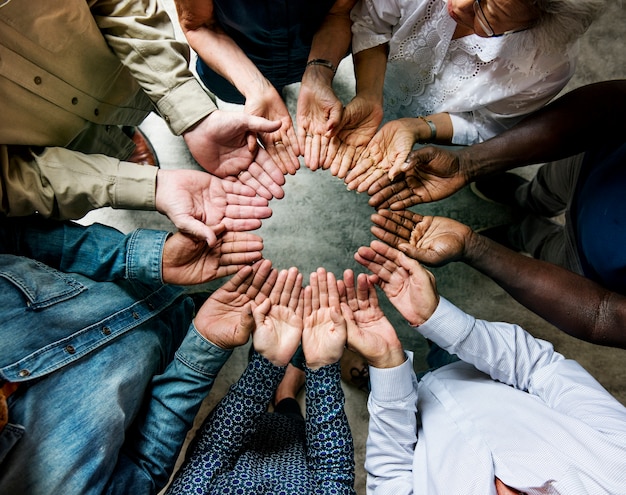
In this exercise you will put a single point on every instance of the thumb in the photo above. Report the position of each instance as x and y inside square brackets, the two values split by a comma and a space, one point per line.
[261, 312]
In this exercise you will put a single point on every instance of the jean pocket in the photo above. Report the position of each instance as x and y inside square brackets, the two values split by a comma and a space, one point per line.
[9, 436]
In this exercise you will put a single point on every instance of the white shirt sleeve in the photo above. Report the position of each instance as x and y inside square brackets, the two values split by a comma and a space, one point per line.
[392, 405]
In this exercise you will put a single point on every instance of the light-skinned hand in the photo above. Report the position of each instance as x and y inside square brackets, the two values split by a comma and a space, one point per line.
[279, 319]
[203, 206]
[226, 318]
[324, 335]
[370, 333]
[408, 286]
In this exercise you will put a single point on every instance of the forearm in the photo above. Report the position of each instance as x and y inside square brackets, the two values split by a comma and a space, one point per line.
[175, 396]
[563, 128]
[63, 184]
[369, 69]
[332, 40]
[142, 36]
[572, 303]
[331, 459]
[97, 251]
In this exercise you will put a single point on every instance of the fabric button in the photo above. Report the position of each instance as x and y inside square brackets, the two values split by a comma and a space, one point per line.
[74, 101]
[96, 112]
[37, 80]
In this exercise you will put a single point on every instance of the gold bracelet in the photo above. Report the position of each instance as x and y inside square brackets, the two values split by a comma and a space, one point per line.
[324, 63]
[433, 127]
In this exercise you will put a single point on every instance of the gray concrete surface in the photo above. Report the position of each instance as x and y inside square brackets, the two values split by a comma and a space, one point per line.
[320, 223]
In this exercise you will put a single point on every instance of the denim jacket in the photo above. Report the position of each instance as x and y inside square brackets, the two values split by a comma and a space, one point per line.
[69, 292]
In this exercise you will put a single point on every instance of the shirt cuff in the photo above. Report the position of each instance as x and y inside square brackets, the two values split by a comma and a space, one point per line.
[201, 355]
[463, 133]
[393, 384]
[447, 326]
[135, 187]
[144, 255]
[185, 106]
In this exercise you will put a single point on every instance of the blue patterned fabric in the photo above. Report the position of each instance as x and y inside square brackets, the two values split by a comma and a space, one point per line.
[241, 448]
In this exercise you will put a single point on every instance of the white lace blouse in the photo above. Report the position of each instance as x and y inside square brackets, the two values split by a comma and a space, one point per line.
[485, 84]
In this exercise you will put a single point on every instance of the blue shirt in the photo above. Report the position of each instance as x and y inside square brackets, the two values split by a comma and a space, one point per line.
[111, 369]
[276, 36]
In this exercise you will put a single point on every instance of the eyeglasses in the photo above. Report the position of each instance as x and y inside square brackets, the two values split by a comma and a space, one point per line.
[484, 23]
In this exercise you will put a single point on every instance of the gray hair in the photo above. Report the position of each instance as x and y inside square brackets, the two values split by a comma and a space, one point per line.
[562, 22]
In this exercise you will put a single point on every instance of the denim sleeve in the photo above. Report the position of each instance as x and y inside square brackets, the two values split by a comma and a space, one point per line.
[330, 451]
[96, 251]
[152, 447]
[228, 426]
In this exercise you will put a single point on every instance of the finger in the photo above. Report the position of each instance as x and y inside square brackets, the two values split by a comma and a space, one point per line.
[277, 290]
[333, 291]
[334, 144]
[241, 212]
[362, 291]
[322, 283]
[374, 174]
[261, 271]
[374, 262]
[311, 161]
[347, 163]
[240, 281]
[324, 142]
[277, 150]
[308, 301]
[247, 179]
[197, 229]
[269, 182]
[235, 199]
[300, 304]
[291, 291]
[316, 144]
[268, 285]
[315, 292]
[260, 312]
[348, 279]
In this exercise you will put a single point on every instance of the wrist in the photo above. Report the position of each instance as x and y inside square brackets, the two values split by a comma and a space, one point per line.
[393, 356]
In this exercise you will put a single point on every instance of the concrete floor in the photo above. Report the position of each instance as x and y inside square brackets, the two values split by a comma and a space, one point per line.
[320, 223]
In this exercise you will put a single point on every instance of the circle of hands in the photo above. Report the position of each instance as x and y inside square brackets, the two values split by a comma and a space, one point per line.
[247, 157]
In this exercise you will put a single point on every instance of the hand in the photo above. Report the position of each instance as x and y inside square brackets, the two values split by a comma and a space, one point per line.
[188, 261]
[408, 286]
[370, 333]
[318, 116]
[202, 205]
[279, 319]
[391, 145]
[324, 335]
[428, 174]
[434, 241]
[224, 143]
[281, 144]
[226, 316]
[359, 124]
[263, 177]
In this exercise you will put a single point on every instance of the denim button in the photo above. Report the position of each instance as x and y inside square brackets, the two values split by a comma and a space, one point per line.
[106, 331]
[24, 373]
[70, 349]
[135, 315]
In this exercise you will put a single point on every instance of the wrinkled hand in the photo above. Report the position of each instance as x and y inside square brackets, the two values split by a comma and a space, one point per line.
[263, 176]
[225, 143]
[408, 286]
[370, 333]
[390, 146]
[279, 319]
[318, 116]
[359, 124]
[434, 241]
[428, 174]
[188, 261]
[203, 206]
[226, 316]
[325, 333]
[281, 144]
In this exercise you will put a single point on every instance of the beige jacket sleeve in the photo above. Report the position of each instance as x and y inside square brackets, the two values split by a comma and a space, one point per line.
[64, 184]
[142, 36]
